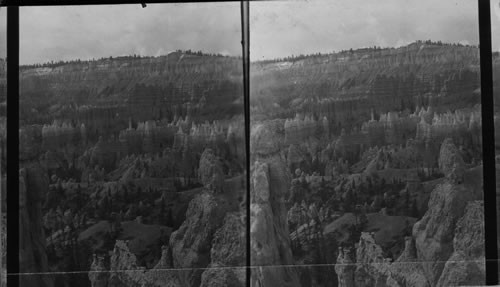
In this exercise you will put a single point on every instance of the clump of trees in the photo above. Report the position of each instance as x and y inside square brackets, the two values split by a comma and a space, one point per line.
[199, 53]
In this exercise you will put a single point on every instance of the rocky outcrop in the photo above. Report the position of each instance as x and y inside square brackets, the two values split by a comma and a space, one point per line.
[211, 239]
[210, 171]
[228, 254]
[33, 185]
[450, 162]
[205, 238]
[434, 232]
[124, 270]
[372, 268]
[191, 243]
[407, 270]
[447, 244]
[223, 277]
[98, 274]
[345, 268]
[267, 138]
[269, 234]
[466, 266]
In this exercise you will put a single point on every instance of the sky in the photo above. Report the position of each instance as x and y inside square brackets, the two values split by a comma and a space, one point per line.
[282, 28]
[495, 25]
[86, 32]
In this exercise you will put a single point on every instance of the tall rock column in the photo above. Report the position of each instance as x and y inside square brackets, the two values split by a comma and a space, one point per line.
[269, 234]
[98, 276]
[345, 268]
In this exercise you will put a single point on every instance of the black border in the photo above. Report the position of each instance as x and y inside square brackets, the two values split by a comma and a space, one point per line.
[488, 136]
[12, 145]
[245, 44]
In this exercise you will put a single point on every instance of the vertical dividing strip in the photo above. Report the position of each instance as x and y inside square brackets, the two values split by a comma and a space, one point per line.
[488, 136]
[245, 42]
[13, 146]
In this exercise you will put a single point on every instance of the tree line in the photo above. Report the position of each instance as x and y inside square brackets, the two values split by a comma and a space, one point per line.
[294, 58]
[53, 64]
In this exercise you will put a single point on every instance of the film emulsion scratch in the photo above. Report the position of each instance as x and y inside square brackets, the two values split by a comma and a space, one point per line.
[132, 148]
[366, 144]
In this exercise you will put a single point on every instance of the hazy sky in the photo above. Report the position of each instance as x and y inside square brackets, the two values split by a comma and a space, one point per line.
[495, 25]
[282, 28]
[64, 33]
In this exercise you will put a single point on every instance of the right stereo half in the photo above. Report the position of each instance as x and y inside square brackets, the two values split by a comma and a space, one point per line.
[366, 143]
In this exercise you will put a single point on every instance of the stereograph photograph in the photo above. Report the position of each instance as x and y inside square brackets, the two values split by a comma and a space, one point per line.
[364, 157]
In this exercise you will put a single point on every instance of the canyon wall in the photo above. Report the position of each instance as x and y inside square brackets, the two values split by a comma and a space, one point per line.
[346, 86]
[103, 94]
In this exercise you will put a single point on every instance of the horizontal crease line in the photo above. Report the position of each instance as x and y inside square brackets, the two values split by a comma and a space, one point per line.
[243, 267]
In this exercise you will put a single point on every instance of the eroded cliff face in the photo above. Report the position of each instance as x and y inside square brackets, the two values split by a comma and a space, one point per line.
[447, 244]
[93, 92]
[192, 241]
[345, 86]
[33, 185]
[466, 266]
[435, 231]
[269, 234]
